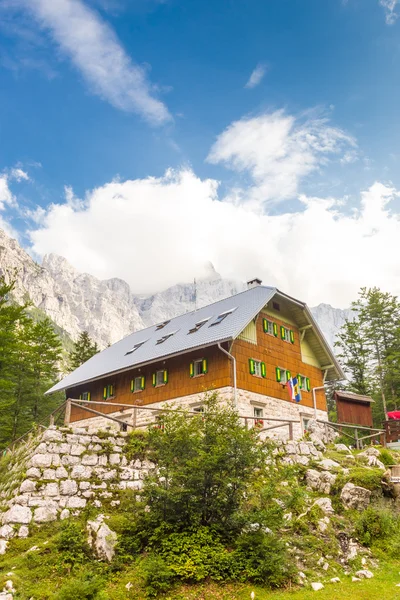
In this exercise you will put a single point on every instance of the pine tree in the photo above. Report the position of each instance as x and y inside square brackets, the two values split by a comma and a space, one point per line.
[84, 348]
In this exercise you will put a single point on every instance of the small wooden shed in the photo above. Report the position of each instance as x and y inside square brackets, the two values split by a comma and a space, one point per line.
[354, 409]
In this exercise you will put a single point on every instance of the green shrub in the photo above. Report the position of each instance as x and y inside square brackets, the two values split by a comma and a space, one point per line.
[365, 477]
[262, 558]
[137, 445]
[86, 588]
[72, 544]
[386, 457]
[158, 576]
[374, 524]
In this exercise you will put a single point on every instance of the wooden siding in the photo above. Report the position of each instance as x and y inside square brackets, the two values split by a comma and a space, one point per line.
[275, 352]
[355, 413]
[179, 382]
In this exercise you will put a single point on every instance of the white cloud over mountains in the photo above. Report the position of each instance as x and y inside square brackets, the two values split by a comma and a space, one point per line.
[96, 52]
[278, 150]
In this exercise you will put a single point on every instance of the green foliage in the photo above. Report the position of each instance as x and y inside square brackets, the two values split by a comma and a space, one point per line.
[204, 464]
[84, 348]
[137, 445]
[72, 544]
[386, 457]
[158, 576]
[83, 588]
[375, 524]
[365, 477]
[30, 352]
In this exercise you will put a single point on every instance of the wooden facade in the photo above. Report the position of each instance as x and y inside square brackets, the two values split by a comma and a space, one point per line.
[354, 409]
[254, 343]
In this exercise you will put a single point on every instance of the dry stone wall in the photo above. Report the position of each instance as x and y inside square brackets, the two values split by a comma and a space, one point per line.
[63, 472]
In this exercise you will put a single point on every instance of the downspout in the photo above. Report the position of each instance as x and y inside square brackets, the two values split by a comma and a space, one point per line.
[233, 359]
[321, 387]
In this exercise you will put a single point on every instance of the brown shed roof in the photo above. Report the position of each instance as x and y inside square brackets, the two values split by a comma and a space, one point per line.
[341, 395]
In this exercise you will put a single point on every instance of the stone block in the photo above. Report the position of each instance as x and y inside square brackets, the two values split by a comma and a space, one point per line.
[61, 473]
[49, 474]
[23, 532]
[85, 485]
[51, 490]
[27, 486]
[68, 460]
[76, 502]
[41, 448]
[22, 500]
[114, 459]
[90, 460]
[68, 487]
[18, 514]
[81, 472]
[55, 460]
[107, 475]
[64, 514]
[134, 485]
[33, 473]
[52, 435]
[3, 548]
[126, 474]
[103, 460]
[6, 532]
[77, 449]
[304, 448]
[45, 514]
[72, 438]
[42, 461]
[354, 496]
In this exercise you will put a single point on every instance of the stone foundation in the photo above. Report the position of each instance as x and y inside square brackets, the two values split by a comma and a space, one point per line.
[246, 402]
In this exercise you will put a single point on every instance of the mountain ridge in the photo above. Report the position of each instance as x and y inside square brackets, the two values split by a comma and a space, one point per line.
[108, 309]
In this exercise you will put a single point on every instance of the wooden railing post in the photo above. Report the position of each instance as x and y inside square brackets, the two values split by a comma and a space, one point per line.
[356, 439]
[290, 431]
[67, 418]
[134, 418]
[51, 420]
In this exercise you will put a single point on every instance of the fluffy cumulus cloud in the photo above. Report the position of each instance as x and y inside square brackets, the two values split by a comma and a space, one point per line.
[94, 49]
[155, 232]
[256, 76]
[7, 198]
[277, 150]
[390, 10]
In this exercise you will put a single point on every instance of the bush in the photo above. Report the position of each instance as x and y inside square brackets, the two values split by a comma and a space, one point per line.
[374, 524]
[158, 576]
[386, 457]
[262, 559]
[137, 445]
[86, 588]
[72, 544]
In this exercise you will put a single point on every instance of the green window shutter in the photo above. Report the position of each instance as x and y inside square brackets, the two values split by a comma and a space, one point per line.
[191, 369]
[282, 332]
[205, 365]
[288, 375]
[110, 391]
[275, 330]
[88, 396]
[80, 396]
[308, 387]
[265, 325]
[142, 382]
[263, 370]
[105, 393]
[300, 381]
[154, 379]
[292, 336]
[132, 385]
[252, 367]
[278, 374]
[165, 376]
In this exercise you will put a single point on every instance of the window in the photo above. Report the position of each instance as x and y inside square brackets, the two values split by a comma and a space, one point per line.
[304, 383]
[135, 347]
[160, 377]
[85, 396]
[162, 325]
[108, 392]
[198, 367]
[257, 368]
[276, 306]
[199, 409]
[259, 413]
[270, 327]
[198, 325]
[282, 375]
[287, 334]
[138, 384]
[222, 316]
[306, 423]
[166, 337]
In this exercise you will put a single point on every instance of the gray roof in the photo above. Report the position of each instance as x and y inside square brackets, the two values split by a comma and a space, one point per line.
[344, 395]
[244, 306]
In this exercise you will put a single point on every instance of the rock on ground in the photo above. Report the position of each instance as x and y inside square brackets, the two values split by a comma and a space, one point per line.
[354, 496]
[317, 586]
[101, 538]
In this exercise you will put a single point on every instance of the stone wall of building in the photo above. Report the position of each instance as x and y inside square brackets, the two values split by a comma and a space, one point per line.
[246, 402]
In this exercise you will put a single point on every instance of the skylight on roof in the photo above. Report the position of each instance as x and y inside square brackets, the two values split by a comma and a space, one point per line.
[162, 325]
[222, 316]
[135, 347]
[165, 337]
[198, 325]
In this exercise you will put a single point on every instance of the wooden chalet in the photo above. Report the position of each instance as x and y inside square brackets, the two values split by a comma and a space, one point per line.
[353, 409]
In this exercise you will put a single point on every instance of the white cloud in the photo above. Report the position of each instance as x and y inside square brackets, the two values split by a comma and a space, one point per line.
[277, 150]
[7, 198]
[155, 232]
[390, 10]
[256, 76]
[96, 52]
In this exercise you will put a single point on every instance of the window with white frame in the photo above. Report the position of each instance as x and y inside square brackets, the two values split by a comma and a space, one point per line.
[85, 396]
[160, 377]
[268, 327]
[285, 334]
[198, 367]
[257, 368]
[282, 375]
[304, 383]
[258, 413]
[137, 384]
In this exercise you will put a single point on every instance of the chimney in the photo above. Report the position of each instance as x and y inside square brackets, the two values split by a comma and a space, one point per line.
[253, 283]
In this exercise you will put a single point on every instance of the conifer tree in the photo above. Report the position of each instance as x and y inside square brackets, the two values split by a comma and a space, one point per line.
[84, 348]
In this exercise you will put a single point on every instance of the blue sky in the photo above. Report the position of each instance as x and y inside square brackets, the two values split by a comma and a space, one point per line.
[264, 110]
